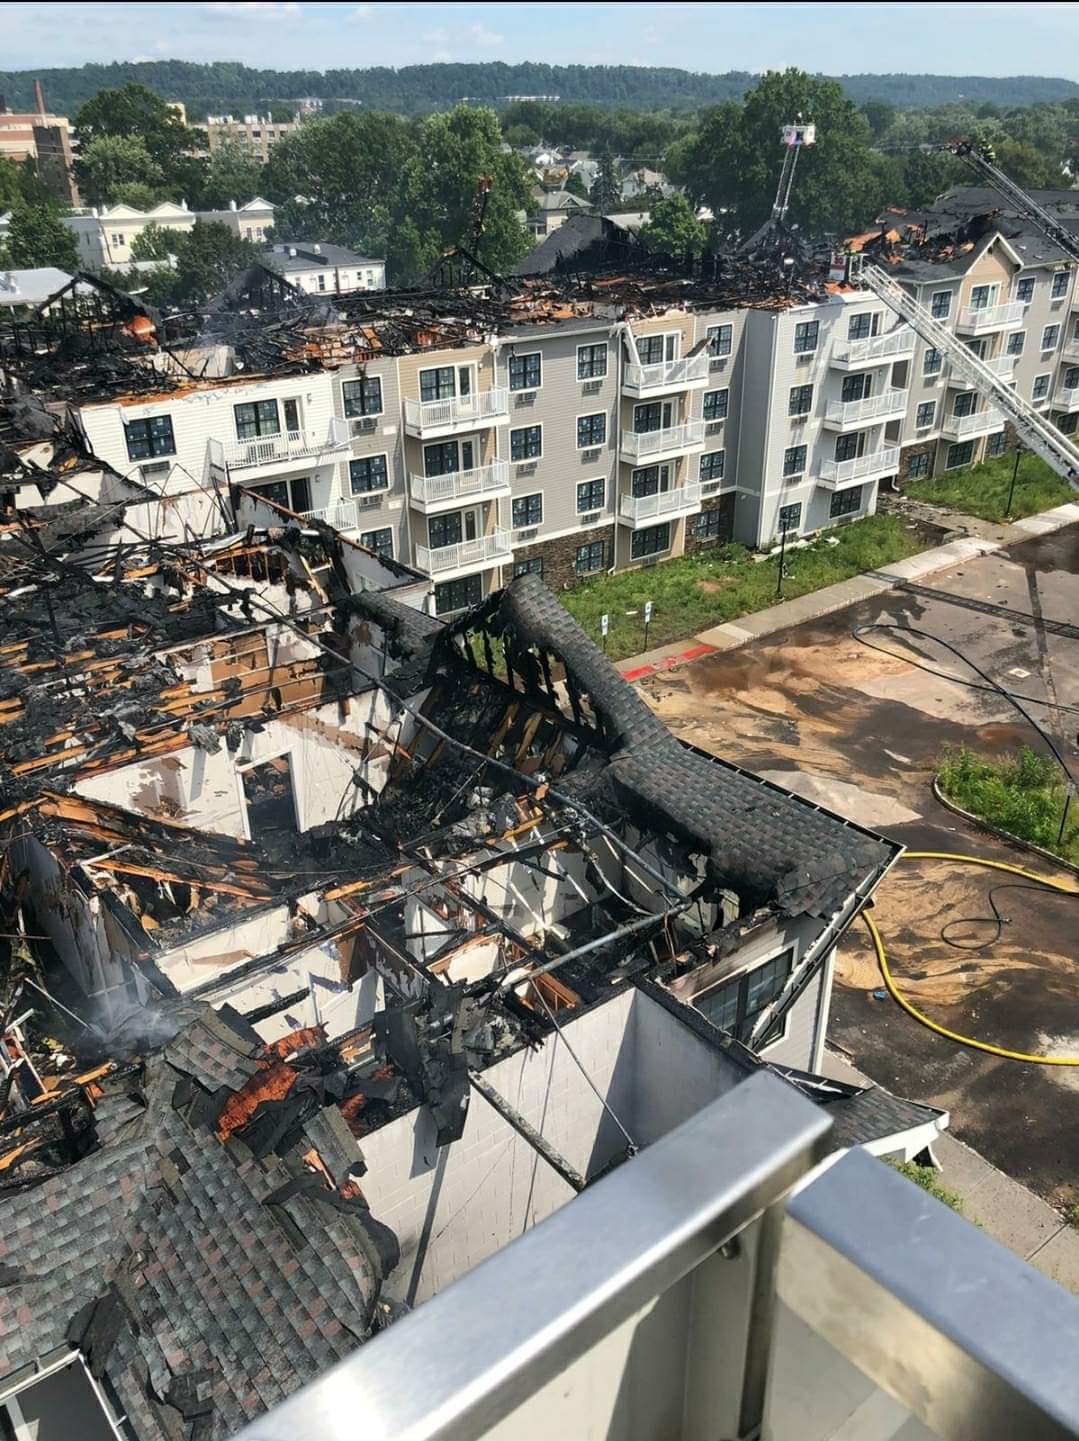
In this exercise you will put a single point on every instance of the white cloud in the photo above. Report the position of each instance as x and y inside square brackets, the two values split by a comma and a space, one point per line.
[362, 12]
[487, 38]
[252, 7]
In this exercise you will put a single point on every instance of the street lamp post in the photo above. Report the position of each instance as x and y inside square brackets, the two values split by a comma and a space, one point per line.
[1011, 488]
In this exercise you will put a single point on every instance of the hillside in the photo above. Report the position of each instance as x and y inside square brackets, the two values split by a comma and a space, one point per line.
[227, 85]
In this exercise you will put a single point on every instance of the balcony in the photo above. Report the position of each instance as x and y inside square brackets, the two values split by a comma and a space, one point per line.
[838, 474]
[638, 510]
[875, 350]
[434, 493]
[429, 419]
[288, 450]
[991, 317]
[448, 561]
[969, 427]
[722, 1283]
[345, 515]
[844, 415]
[691, 373]
[1066, 398]
[652, 446]
[1071, 350]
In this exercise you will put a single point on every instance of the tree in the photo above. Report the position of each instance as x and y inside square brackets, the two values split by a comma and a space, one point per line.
[131, 112]
[208, 256]
[282, 114]
[10, 191]
[734, 163]
[606, 190]
[37, 236]
[879, 115]
[575, 185]
[111, 163]
[928, 174]
[154, 243]
[230, 175]
[1027, 167]
[674, 229]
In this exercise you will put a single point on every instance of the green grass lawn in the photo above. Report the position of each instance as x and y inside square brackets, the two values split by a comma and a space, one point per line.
[712, 586]
[1022, 794]
[983, 490]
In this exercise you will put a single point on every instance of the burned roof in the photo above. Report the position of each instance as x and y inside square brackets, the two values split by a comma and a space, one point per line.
[203, 1281]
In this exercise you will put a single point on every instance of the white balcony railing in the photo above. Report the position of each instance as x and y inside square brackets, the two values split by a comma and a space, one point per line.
[897, 343]
[1066, 397]
[484, 480]
[1071, 349]
[667, 374]
[981, 422]
[462, 412]
[835, 473]
[647, 444]
[991, 317]
[485, 550]
[639, 509]
[345, 515]
[286, 446]
[1002, 365]
[843, 413]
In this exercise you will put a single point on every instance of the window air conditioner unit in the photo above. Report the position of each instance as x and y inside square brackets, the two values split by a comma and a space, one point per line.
[529, 534]
[363, 426]
[368, 502]
[157, 471]
[718, 362]
[591, 518]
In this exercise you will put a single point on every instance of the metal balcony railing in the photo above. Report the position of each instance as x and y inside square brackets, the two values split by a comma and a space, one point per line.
[667, 374]
[896, 343]
[484, 550]
[981, 422]
[716, 1285]
[344, 515]
[460, 484]
[991, 317]
[862, 412]
[485, 407]
[862, 467]
[1066, 397]
[679, 501]
[287, 445]
[641, 445]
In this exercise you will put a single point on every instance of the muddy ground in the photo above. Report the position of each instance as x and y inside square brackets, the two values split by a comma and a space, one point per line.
[861, 732]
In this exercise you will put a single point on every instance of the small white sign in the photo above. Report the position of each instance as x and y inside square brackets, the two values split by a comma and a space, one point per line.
[648, 612]
[604, 623]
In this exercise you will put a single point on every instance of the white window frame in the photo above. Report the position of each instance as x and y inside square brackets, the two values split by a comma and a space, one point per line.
[592, 444]
[359, 380]
[382, 490]
[592, 345]
[1051, 344]
[529, 524]
[931, 422]
[393, 540]
[1019, 279]
[592, 509]
[524, 389]
[716, 419]
[1034, 396]
[712, 480]
[528, 459]
[664, 336]
[947, 309]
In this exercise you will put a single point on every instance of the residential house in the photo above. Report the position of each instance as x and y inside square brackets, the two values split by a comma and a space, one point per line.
[325, 269]
[105, 237]
[553, 208]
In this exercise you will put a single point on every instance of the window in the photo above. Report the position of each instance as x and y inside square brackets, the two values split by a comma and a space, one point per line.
[322, 282]
[527, 510]
[715, 404]
[919, 466]
[380, 541]
[794, 460]
[591, 557]
[925, 414]
[591, 495]
[964, 403]
[1016, 341]
[849, 447]
[440, 384]
[368, 474]
[1024, 289]
[801, 400]
[805, 337]
[932, 362]
[1060, 285]
[980, 297]
[996, 444]
[591, 430]
[845, 502]
[1050, 336]
[860, 327]
[708, 526]
[1071, 377]
[712, 466]
[454, 595]
[1066, 424]
[294, 495]
[149, 437]
[255, 418]
[941, 304]
[790, 517]
[960, 454]
[719, 339]
[529, 567]
[735, 1005]
[362, 397]
[855, 387]
[525, 371]
[526, 443]
[650, 349]
[1041, 387]
[118, 240]
[654, 540]
[652, 416]
[651, 480]
[591, 362]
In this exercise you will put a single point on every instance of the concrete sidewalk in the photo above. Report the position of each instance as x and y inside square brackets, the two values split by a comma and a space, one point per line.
[1002, 1207]
[847, 592]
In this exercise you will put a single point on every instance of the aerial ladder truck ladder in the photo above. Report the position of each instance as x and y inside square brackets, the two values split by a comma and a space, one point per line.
[981, 160]
[1035, 432]
[794, 138]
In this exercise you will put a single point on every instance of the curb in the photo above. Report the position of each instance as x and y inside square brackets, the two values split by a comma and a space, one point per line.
[979, 824]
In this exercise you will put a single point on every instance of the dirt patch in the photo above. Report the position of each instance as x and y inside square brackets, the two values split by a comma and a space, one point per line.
[713, 587]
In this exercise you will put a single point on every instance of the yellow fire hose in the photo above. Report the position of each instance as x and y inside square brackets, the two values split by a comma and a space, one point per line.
[911, 1010]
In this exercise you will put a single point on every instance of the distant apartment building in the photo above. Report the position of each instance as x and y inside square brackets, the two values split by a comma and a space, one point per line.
[324, 269]
[256, 134]
[44, 139]
[105, 237]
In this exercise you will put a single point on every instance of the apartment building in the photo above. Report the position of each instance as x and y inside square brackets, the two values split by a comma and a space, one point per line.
[256, 134]
[44, 139]
[105, 236]
[323, 269]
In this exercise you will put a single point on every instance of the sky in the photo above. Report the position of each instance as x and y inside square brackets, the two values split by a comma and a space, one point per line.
[968, 38]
